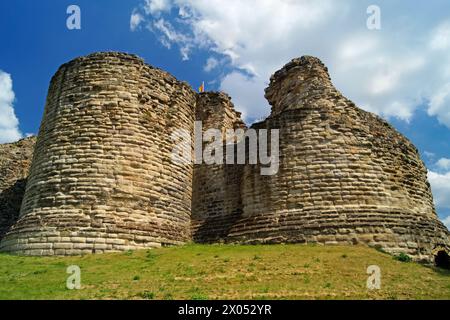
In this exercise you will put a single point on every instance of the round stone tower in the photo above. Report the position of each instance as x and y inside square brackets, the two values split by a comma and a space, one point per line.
[102, 177]
[345, 177]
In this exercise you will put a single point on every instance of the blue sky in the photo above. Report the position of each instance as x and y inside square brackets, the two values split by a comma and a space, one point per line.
[35, 42]
[401, 71]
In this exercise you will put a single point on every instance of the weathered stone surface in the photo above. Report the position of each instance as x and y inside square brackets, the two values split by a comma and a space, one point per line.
[346, 176]
[15, 160]
[216, 201]
[102, 168]
[102, 178]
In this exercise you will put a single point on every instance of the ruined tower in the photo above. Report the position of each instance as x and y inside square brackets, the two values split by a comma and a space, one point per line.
[216, 201]
[102, 177]
[346, 176]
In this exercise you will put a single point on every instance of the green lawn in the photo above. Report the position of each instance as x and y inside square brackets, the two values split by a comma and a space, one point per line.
[223, 272]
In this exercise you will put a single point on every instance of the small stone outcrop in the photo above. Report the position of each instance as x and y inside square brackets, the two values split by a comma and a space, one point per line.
[15, 161]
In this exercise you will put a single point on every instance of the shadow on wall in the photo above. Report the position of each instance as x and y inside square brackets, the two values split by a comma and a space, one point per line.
[10, 202]
[215, 229]
[221, 205]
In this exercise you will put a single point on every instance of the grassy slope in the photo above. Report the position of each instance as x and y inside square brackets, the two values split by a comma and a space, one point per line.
[225, 272]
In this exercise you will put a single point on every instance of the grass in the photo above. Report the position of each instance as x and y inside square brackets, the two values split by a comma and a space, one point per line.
[403, 257]
[201, 272]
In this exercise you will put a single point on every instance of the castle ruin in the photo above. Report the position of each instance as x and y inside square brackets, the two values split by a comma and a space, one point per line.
[102, 178]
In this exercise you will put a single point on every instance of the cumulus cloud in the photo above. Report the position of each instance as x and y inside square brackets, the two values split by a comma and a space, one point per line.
[446, 221]
[443, 164]
[135, 20]
[211, 64]
[389, 71]
[429, 155]
[246, 92]
[9, 124]
[440, 184]
[157, 6]
[439, 178]
[440, 39]
[169, 35]
[439, 104]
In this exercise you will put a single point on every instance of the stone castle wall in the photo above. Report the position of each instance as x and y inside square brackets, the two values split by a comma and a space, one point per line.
[102, 177]
[15, 161]
[216, 202]
[346, 176]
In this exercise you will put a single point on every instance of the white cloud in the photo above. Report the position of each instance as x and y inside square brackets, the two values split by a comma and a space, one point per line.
[439, 104]
[440, 185]
[170, 35]
[247, 92]
[390, 71]
[135, 20]
[154, 7]
[430, 155]
[440, 39]
[9, 124]
[443, 164]
[446, 222]
[211, 64]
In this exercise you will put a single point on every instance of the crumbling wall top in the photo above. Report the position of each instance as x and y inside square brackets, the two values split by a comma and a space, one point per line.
[122, 58]
[216, 110]
[305, 75]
